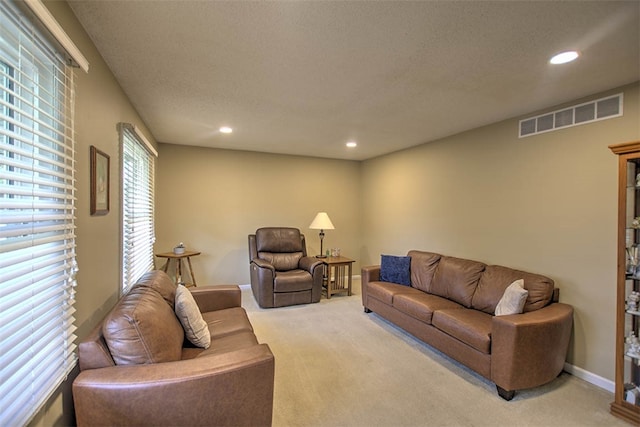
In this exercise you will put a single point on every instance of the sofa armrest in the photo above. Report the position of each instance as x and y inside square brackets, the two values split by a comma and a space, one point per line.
[370, 273]
[234, 388]
[315, 267]
[263, 264]
[529, 349]
[213, 298]
[309, 264]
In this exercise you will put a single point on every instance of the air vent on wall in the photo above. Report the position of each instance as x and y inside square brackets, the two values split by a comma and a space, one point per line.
[600, 109]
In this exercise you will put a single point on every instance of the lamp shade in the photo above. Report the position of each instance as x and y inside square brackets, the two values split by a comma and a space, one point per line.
[321, 222]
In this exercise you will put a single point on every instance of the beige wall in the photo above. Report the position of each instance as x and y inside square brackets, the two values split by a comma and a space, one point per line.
[211, 199]
[545, 204]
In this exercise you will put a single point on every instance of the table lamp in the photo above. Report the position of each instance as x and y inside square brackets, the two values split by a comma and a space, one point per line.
[321, 222]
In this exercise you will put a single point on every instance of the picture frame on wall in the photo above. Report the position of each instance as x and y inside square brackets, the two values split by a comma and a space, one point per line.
[99, 181]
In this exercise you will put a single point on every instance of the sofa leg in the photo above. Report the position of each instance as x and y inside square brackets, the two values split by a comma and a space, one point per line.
[366, 310]
[505, 394]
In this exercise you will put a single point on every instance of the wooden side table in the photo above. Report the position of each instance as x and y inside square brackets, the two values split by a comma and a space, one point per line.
[178, 262]
[338, 264]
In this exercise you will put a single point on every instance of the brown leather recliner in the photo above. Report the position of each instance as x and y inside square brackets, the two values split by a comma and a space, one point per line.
[281, 272]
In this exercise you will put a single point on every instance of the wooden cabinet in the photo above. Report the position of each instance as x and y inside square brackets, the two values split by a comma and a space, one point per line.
[627, 380]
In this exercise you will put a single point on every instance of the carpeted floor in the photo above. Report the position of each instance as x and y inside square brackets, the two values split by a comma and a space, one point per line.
[337, 366]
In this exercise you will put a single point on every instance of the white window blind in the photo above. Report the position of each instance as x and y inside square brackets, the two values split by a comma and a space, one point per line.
[37, 231]
[138, 235]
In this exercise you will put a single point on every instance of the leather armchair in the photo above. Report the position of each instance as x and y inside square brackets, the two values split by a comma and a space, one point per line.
[229, 384]
[281, 272]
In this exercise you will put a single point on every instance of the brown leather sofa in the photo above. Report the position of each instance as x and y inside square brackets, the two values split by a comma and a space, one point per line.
[450, 305]
[281, 272]
[146, 373]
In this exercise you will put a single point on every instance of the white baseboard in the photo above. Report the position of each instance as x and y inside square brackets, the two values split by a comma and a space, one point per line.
[590, 377]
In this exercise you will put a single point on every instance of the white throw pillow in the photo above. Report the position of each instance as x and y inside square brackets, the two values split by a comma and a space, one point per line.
[189, 314]
[513, 299]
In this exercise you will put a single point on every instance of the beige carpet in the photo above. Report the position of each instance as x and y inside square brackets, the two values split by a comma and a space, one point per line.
[337, 366]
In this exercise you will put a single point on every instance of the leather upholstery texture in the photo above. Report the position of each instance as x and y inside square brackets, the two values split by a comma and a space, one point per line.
[136, 371]
[281, 272]
[143, 328]
[451, 303]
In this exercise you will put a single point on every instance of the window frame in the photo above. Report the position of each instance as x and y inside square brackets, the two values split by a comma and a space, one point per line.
[137, 207]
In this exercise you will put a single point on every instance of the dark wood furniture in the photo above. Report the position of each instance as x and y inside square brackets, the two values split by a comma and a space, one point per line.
[626, 404]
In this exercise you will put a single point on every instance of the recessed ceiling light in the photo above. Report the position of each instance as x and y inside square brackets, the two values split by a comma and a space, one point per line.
[352, 144]
[564, 57]
[226, 129]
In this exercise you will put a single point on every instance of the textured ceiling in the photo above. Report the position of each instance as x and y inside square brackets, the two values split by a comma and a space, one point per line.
[304, 78]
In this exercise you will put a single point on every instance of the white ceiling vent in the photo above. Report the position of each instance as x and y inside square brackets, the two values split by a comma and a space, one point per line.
[600, 109]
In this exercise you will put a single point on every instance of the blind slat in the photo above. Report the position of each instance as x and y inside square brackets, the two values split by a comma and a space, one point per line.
[37, 204]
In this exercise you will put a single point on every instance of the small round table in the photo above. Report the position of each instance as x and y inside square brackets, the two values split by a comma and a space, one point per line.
[178, 261]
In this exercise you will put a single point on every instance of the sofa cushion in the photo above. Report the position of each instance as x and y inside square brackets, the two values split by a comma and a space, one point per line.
[512, 302]
[395, 269]
[385, 291]
[423, 267]
[470, 326]
[456, 279]
[278, 239]
[225, 344]
[195, 328]
[292, 281]
[495, 280]
[142, 328]
[282, 261]
[421, 306]
[230, 343]
[159, 281]
[226, 322]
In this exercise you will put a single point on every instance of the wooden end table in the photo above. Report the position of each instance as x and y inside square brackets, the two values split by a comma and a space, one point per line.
[178, 261]
[338, 264]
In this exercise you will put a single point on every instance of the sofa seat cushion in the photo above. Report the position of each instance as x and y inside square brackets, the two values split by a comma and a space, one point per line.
[225, 344]
[456, 279]
[143, 329]
[421, 305]
[385, 291]
[292, 281]
[227, 322]
[472, 327]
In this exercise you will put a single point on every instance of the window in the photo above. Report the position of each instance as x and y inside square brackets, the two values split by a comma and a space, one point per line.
[138, 236]
[37, 231]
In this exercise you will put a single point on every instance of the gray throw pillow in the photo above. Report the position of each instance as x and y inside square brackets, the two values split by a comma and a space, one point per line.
[189, 315]
[513, 299]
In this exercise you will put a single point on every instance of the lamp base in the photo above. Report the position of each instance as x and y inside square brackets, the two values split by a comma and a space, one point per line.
[321, 256]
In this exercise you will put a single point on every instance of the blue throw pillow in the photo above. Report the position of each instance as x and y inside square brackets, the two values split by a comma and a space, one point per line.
[396, 269]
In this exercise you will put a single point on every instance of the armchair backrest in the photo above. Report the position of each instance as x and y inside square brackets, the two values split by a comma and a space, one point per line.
[282, 247]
